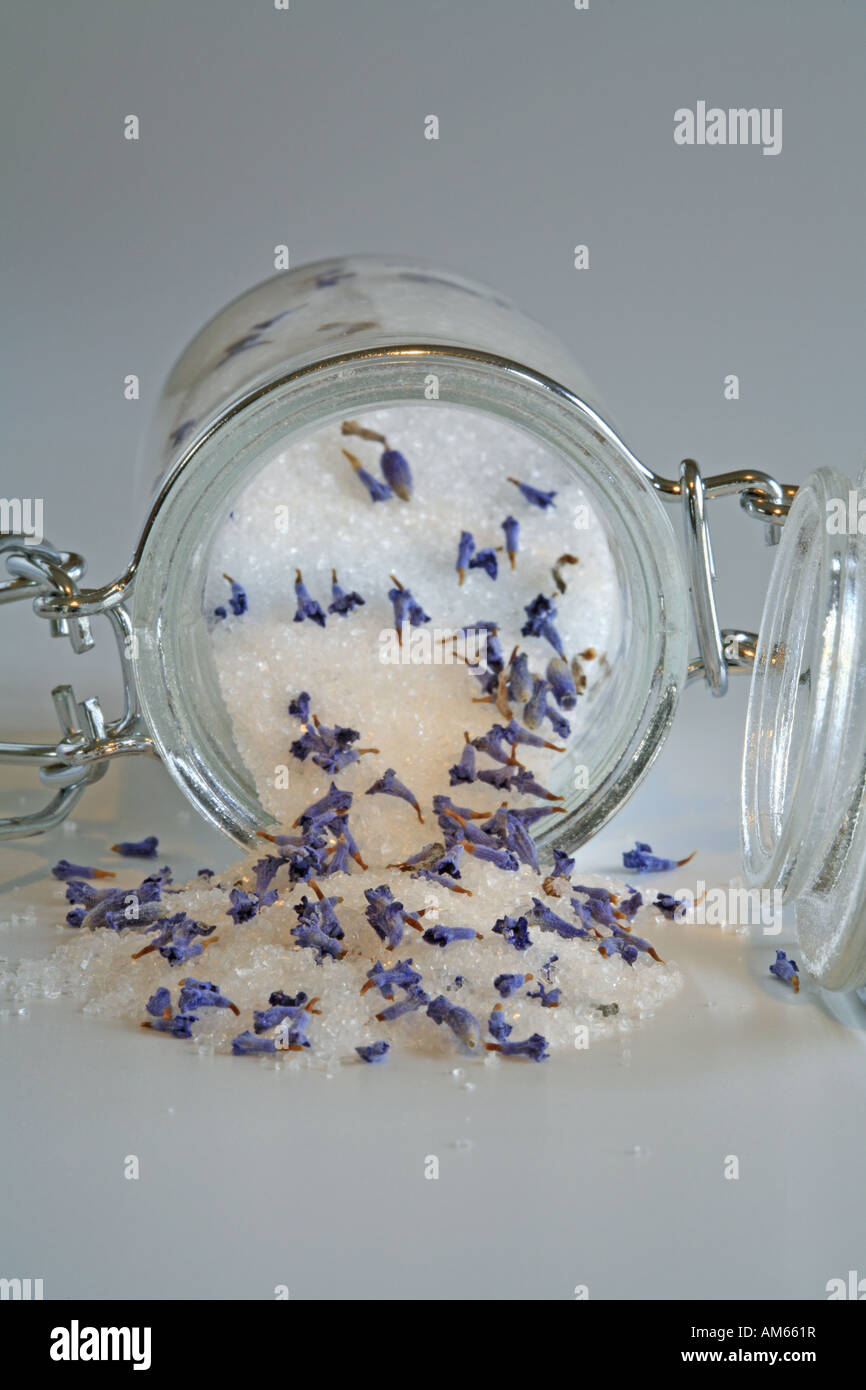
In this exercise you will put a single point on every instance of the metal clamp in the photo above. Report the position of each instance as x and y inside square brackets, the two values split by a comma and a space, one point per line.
[49, 577]
[721, 650]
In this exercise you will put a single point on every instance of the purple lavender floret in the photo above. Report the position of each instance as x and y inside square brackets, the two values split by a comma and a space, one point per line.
[631, 905]
[444, 866]
[276, 1016]
[786, 970]
[390, 785]
[64, 871]
[535, 709]
[415, 998]
[335, 802]
[540, 615]
[177, 1026]
[342, 602]
[529, 814]
[622, 945]
[563, 865]
[385, 915]
[506, 985]
[497, 1026]
[561, 683]
[237, 602]
[465, 551]
[491, 743]
[299, 707]
[246, 1044]
[287, 1001]
[245, 906]
[642, 860]
[331, 749]
[558, 722]
[513, 835]
[534, 1047]
[78, 890]
[535, 496]
[598, 906]
[514, 930]
[397, 473]
[265, 871]
[406, 608]
[374, 1052]
[511, 527]
[519, 679]
[177, 941]
[548, 920]
[485, 560]
[500, 858]
[515, 734]
[462, 1023]
[401, 975]
[202, 994]
[548, 998]
[440, 935]
[317, 931]
[667, 904]
[502, 778]
[378, 491]
[307, 606]
[137, 849]
[464, 771]
[159, 1002]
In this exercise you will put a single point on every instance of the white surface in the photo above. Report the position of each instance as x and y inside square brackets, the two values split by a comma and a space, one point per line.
[252, 1177]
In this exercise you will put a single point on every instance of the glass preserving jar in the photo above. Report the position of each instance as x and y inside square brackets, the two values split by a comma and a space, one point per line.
[335, 339]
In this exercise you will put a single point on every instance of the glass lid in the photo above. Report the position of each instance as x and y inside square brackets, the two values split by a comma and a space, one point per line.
[804, 764]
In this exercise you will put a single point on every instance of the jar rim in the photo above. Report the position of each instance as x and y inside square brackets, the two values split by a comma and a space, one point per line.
[166, 577]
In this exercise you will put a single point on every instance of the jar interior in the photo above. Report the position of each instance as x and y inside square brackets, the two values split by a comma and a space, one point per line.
[274, 493]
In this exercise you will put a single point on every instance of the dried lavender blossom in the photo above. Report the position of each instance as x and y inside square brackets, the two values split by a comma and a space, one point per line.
[485, 560]
[397, 473]
[641, 860]
[506, 985]
[378, 491]
[462, 1023]
[390, 785]
[511, 527]
[342, 602]
[66, 871]
[534, 1047]
[137, 849]
[534, 496]
[786, 970]
[307, 607]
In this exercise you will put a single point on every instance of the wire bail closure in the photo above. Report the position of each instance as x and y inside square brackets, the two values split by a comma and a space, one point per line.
[721, 650]
[49, 577]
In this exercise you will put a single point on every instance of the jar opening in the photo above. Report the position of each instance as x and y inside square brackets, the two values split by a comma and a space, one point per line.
[631, 567]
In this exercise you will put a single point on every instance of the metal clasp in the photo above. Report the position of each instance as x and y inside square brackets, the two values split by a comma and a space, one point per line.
[49, 577]
[721, 650]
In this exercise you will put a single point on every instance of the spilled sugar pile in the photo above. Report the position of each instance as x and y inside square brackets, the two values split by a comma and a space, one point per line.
[405, 651]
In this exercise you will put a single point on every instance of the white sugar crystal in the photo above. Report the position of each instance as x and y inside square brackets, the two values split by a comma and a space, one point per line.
[415, 714]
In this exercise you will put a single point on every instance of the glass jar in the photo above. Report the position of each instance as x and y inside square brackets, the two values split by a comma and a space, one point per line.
[339, 338]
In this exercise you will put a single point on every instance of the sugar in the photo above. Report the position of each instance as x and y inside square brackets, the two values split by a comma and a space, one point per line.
[307, 510]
